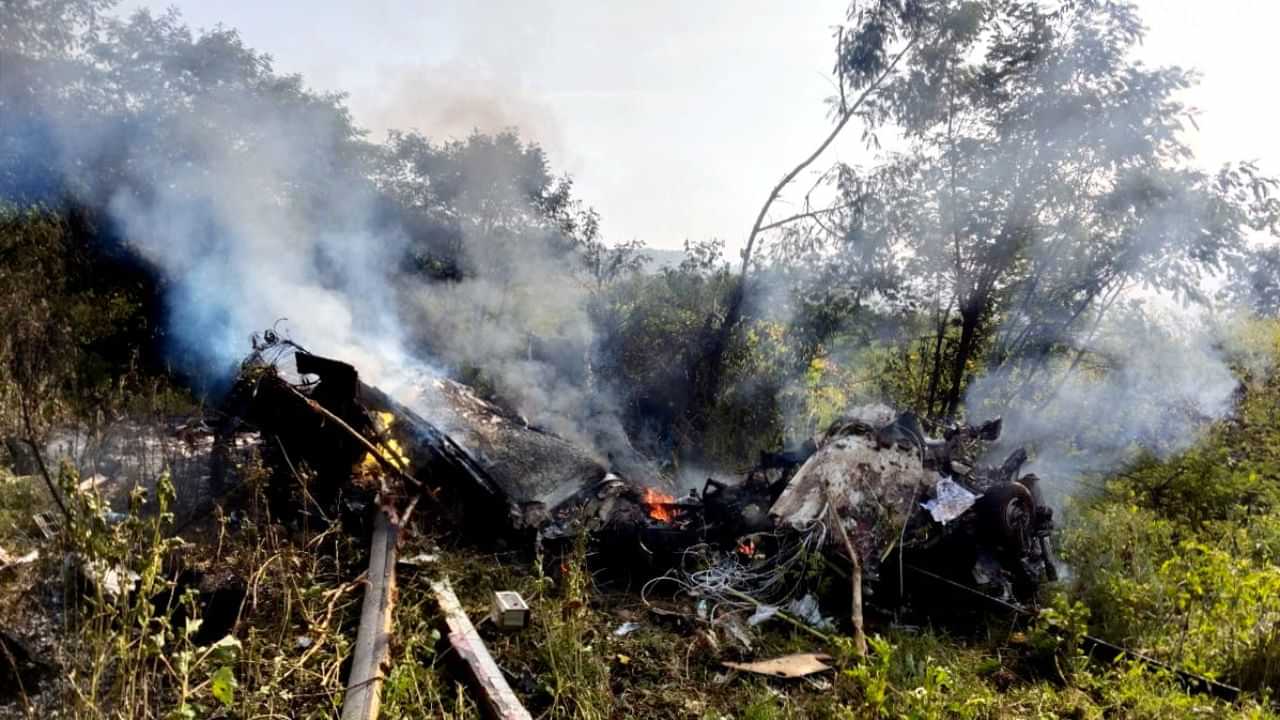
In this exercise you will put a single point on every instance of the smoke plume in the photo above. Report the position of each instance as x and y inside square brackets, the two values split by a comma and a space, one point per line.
[1149, 385]
[259, 203]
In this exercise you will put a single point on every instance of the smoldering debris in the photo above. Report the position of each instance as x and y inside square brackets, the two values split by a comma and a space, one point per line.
[898, 513]
[360, 448]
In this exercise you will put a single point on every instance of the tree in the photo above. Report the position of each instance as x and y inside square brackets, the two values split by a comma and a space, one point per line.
[1043, 173]
[884, 32]
[1258, 284]
[61, 323]
[470, 203]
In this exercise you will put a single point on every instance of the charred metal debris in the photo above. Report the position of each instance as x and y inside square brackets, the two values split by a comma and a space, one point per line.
[873, 508]
[335, 444]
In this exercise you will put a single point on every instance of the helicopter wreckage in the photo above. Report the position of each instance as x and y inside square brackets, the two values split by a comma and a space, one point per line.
[915, 524]
[874, 490]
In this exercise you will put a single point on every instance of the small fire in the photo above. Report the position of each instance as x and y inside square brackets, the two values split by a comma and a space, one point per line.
[391, 447]
[659, 505]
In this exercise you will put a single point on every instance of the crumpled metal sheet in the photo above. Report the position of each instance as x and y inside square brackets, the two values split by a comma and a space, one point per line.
[874, 489]
[950, 500]
[531, 465]
[804, 609]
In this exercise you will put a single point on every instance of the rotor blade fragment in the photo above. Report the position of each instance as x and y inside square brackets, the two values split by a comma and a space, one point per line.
[787, 666]
[486, 677]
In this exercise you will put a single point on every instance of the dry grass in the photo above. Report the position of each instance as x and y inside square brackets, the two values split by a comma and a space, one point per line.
[125, 660]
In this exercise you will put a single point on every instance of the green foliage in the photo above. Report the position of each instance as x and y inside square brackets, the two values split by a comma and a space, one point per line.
[469, 204]
[975, 248]
[578, 675]
[56, 320]
[1178, 558]
[124, 649]
[1004, 107]
[656, 329]
[128, 649]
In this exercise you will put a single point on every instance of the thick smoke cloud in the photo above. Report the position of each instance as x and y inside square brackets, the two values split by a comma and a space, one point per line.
[236, 258]
[257, 200]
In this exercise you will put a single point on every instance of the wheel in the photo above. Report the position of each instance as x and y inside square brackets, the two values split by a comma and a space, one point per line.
[1006, 513]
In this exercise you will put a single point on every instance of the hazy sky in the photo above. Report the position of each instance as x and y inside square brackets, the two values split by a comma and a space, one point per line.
[674, 118]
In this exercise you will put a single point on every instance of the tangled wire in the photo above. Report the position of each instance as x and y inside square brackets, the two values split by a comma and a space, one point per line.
[732, 582]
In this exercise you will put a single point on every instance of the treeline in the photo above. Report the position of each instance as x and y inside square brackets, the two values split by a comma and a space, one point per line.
[130, 145]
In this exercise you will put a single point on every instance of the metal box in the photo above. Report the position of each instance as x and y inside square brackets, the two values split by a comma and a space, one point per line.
[510, 611]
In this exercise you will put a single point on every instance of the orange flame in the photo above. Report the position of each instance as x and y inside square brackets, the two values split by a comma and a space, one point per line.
[391, 448]
[659, 505]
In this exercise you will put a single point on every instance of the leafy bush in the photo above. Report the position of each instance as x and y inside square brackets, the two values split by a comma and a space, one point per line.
[1178, 558]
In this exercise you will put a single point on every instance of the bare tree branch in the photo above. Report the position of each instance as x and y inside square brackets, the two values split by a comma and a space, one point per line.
[835, 132]
[802, 216]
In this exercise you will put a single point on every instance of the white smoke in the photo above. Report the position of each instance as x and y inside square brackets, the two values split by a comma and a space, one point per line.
[255, 201]
[1147, 383]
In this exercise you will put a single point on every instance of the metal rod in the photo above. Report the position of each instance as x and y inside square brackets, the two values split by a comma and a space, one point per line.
[373, 639]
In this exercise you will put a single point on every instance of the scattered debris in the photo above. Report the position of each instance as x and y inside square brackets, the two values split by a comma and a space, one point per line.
[495, 694]
[806, 609]
[985, 525]
[874, 491]
[92, 483]
[46, 524]
[96, 576]
[763, 614]
[950, 501]
[510, 611]
[739, 633]
[356, 441]
[417, 562]
[373, 639]
[626, 629]
[8, 561]
[787, 666]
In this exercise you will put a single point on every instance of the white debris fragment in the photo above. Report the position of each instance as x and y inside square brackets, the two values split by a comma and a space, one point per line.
[419, 560]
[626, 629]
[112, 582]
[807, 610]
[950, 501]
[7, 561]
[762, 613]
[736, 631]
[93, 482]
[702, 609]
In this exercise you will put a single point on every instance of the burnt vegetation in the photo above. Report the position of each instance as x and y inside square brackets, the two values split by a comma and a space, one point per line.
[934, 422]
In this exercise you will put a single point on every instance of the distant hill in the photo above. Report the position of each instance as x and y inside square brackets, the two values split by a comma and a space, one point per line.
[660, 259]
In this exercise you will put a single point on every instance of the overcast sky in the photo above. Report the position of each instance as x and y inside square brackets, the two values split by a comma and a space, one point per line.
[674, 118]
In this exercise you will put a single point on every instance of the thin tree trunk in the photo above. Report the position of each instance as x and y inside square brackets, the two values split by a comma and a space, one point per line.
[935, 374]
[855, 576]
[971, 316]
[32, 443]
[710, 370]
[845, 117]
